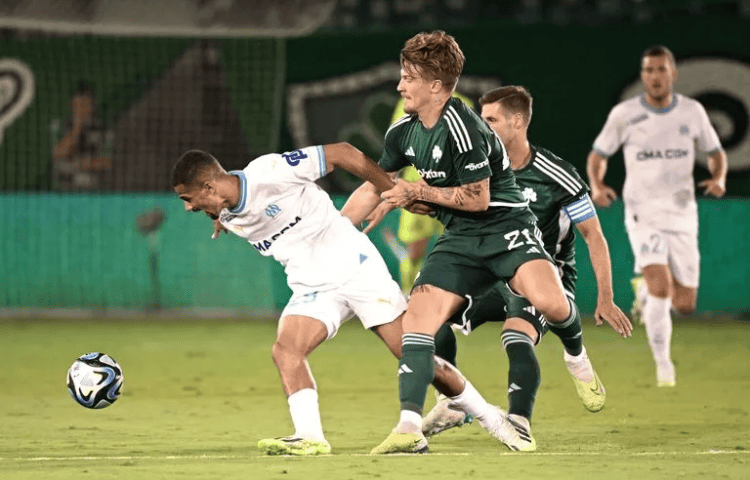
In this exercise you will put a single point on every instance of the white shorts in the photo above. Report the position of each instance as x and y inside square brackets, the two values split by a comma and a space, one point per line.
[372, 295]
[677, 250]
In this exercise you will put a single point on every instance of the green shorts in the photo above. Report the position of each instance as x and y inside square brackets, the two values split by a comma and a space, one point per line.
[496, 305]
[469, 265]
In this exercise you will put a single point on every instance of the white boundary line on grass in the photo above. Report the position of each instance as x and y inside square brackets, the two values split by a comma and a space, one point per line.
[458, 454]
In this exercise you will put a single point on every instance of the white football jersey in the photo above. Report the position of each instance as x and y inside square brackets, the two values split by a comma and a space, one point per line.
[659, 151]
[284, 214]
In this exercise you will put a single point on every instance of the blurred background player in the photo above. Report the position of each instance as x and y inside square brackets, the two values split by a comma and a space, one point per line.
[414, 231]
[559, 199]
[658, 131]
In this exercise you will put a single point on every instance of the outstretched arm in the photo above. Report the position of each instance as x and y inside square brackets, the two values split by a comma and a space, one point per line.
[345, 155]
[367, 196]
[606, 310]
[471, 197]
[361, 203]
[596, 167]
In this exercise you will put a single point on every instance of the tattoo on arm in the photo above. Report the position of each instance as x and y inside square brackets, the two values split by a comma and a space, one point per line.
[454, 196]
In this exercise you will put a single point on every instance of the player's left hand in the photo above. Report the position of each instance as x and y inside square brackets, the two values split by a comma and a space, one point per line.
[377, 215]
[218, 229]
[713, 187]
[610, 313]
[401, 195]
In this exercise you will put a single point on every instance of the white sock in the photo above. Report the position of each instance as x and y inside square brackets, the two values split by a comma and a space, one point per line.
[658, 323]
[409, 421]
[580, 366]
[303, 406]
[575, 358]
[472, 402]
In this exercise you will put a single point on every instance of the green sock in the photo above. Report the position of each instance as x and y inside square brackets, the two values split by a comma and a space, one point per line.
[415, 370]
[570, 331]
[523, 372]
[445, 344]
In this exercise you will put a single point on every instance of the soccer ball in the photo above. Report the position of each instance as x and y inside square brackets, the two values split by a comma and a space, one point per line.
[95, 380]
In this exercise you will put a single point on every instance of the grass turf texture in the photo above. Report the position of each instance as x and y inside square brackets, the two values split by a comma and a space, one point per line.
[198, 395]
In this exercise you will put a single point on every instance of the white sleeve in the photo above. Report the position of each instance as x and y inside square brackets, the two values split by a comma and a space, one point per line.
[299, 166]
[610, 138]
[708, 139]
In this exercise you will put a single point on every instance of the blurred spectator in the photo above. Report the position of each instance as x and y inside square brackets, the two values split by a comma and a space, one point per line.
[80, 157]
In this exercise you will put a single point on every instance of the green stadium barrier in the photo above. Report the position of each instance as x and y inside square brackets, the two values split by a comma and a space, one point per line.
[83, 251]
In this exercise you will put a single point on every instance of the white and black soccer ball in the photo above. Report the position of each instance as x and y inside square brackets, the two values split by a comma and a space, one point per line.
[95, 380]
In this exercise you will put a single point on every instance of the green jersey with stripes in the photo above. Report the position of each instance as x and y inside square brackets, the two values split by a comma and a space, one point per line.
[559, 199]
[459, 149]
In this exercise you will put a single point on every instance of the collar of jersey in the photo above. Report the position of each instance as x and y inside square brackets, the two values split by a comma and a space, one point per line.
[531, 159]
[659, 110]
[440, 118]
[243, 191]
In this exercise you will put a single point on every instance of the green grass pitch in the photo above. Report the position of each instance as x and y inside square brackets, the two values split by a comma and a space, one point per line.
[198, 395]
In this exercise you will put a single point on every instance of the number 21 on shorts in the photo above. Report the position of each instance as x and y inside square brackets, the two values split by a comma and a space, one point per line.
[515, 242]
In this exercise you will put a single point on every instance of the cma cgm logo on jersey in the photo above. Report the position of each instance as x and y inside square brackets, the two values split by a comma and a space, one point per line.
[293, 158]
[657, 154]
[266, 244]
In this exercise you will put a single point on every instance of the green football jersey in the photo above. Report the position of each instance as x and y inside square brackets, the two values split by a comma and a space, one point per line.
[559, 199]
[459, 149]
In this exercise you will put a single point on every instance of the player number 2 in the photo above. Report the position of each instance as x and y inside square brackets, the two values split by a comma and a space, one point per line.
[512, 238]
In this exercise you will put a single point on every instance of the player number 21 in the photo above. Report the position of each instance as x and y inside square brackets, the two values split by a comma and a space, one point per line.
[512, 238]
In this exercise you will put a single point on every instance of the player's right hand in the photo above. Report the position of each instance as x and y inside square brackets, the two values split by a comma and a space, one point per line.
[717, 188]
[609, 312]
[218, 229]
[603, 196]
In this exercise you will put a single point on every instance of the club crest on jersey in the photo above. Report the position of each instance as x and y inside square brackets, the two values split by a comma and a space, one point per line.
[529, 194]
[272, 210]
[437, 154]
[293, 158]
[684, 130]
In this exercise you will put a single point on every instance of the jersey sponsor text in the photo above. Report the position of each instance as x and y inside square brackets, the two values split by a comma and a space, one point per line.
[266, 244]
[431, 174]
[477, 166]
[669, 153]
